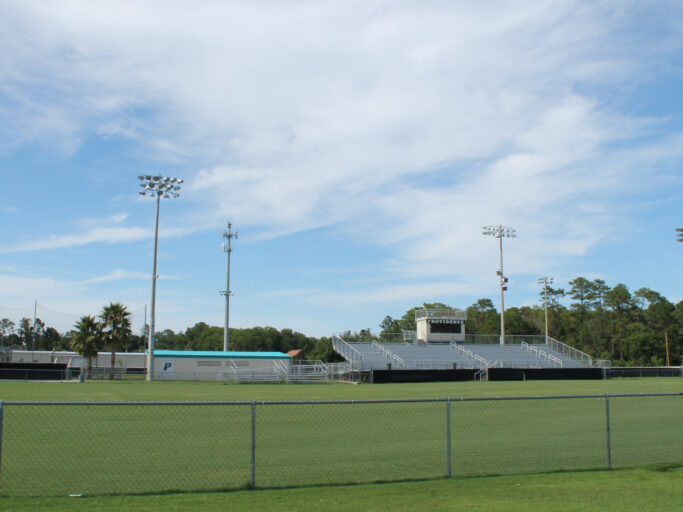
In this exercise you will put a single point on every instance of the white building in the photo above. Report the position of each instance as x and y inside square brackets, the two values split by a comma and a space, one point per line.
[440, 325]
[228, 366]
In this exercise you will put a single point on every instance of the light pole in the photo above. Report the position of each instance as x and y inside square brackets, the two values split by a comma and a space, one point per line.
[227, 247]
[501, 232]
[545, 281]
[156, 186]
[679, 234]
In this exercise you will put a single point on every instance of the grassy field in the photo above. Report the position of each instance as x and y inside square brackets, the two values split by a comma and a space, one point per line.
[90, 450]
[633, 490]
[191, 391]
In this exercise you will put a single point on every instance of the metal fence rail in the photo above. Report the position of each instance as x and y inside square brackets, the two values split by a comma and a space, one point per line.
[90, 448]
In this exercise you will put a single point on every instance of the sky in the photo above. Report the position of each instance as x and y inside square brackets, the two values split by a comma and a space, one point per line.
[358, 147]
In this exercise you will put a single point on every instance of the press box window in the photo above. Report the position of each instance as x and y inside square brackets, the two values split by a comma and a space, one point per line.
[445, 328]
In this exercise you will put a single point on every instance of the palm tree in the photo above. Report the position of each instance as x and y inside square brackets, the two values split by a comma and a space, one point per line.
[87, 340]
[115, 322]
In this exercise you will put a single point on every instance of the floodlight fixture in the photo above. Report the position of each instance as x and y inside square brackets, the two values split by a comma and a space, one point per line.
[679, 234]
[500, 232]
[545, 281]
[156, 186]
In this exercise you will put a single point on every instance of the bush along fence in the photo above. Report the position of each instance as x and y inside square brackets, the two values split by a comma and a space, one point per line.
[96, 448]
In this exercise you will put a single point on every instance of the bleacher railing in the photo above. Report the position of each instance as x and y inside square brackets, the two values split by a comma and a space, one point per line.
[98, 448]
[346, 350]
[542, 354]
[482, 362]
[570, 352]
[510, 339]
[393, 358]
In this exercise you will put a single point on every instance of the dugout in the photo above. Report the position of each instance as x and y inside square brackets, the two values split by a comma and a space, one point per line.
[545, 374]
[35, 371]
[392, 376]
[218, 365]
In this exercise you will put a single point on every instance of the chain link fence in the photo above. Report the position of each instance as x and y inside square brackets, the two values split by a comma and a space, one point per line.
[64, 448]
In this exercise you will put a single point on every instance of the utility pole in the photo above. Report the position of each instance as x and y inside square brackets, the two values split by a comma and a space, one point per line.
[33, 337]
[227, 247]
[545, 281]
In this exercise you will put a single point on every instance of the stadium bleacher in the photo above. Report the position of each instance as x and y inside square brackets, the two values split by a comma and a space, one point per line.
[440, 343]
[377, 355]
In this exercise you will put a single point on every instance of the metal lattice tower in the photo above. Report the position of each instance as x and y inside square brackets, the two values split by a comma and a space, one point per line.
[227, 247]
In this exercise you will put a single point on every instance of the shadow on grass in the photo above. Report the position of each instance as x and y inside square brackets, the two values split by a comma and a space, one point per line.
[247, 486]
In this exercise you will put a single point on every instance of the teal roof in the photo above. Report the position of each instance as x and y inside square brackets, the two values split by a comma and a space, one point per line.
[209, 354]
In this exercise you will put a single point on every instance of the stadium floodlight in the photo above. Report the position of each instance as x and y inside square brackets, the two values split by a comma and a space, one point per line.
[156, 186]
[501, 232]
[545, 281]
[227, 247]
[679, 234]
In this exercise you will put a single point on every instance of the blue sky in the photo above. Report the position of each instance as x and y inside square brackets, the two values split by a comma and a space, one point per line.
[358, 147]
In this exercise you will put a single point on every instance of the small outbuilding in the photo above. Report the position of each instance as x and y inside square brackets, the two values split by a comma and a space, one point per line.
[214, 365]
[440, 325]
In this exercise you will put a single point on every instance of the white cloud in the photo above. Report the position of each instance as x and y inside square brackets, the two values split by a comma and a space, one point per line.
[303, 292]
[61, 302]
[115, 275]
[92, 231]
[106, 235]
[428, 291]
[402, 125]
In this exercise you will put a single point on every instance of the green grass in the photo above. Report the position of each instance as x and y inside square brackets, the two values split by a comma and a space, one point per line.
[634, 490]
[59, 450]
[190, 391]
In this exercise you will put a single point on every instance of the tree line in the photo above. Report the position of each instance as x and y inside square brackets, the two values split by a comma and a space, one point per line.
[607, 323]
[255, 339]
[111, 330]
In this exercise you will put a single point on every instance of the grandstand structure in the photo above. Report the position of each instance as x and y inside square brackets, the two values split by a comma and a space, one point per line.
[440, 343]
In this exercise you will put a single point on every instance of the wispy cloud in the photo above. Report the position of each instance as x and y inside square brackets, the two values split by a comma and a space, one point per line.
[106, 235]
[114, 275]
[401, 126]
[304, 292]
[382, 294]
[61, 302]
[97, 230]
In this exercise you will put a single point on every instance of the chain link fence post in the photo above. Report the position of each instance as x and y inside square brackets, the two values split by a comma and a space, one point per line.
[448, 436]
[1, 414]
[608, 433]
[253, 444]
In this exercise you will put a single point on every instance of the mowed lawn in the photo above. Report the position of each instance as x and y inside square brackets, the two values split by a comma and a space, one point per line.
[631, 490]
[134, 390]
[59, 450]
